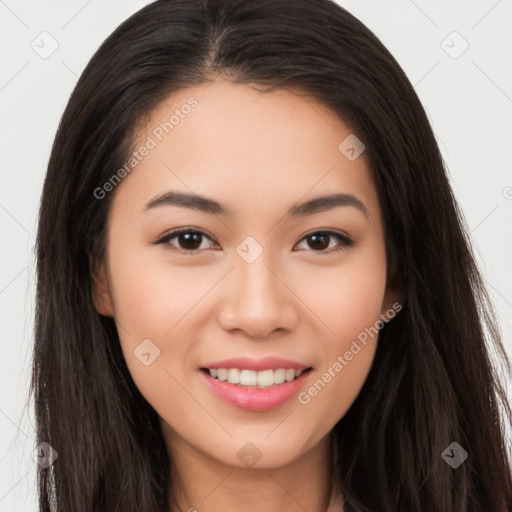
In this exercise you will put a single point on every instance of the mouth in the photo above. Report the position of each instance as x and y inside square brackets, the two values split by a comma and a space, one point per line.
[256, 391]
[242, 377]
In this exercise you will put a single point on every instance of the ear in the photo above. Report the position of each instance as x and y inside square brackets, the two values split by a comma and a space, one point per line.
[101, 293]
[392, 301]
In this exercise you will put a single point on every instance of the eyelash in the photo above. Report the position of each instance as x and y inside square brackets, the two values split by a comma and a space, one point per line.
[345, 240]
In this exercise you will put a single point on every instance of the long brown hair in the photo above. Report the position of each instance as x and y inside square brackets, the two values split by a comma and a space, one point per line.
[432, 381]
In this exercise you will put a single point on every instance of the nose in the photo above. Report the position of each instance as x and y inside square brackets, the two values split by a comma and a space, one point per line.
[258, 300]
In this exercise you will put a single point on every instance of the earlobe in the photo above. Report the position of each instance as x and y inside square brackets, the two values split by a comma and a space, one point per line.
[101, 295]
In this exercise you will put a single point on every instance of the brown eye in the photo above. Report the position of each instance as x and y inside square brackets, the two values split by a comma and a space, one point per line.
[192, 241]
[320, 241]
[187, 240]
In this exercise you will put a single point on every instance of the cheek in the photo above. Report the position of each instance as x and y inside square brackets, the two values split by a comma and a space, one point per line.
[349, 306]
[152, 296]
[347, 358]
[147, 306]
[148, 314]
[347, 298]
[334, 388]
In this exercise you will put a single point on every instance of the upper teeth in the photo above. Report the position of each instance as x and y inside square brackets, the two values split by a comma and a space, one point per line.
[261, 379]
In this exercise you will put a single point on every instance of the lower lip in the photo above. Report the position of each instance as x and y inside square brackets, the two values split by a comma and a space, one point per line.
[252, 398]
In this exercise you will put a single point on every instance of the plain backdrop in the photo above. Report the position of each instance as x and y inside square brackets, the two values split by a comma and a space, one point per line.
[456, 54]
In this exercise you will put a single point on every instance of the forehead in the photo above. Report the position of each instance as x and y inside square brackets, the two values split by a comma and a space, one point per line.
[250, 150]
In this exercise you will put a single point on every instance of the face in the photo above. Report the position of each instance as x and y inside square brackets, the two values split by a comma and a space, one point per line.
[261, 272]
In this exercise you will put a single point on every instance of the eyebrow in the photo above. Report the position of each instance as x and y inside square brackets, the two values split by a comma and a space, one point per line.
[207, 205]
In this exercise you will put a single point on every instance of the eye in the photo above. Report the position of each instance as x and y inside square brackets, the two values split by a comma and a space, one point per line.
[190, 240]
[321, 241]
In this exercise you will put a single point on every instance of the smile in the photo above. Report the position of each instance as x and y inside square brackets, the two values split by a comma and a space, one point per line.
[262, 379]
[252, 397]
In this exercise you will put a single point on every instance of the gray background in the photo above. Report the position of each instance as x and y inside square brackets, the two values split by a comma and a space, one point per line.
[468, 97]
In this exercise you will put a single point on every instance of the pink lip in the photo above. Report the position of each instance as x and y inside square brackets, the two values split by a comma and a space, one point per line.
[252, 398]
[257, 365]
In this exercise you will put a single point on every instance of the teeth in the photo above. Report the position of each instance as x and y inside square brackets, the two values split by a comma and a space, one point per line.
[248, 378]
[266, 379]
[289, 375]
[280, 376]
[263, 379]
[234, 375]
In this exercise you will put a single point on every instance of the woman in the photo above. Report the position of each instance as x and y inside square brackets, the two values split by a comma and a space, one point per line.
[255, 287]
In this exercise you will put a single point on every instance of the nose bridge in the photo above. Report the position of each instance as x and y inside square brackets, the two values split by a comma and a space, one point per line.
[258, 283]
[258, 301]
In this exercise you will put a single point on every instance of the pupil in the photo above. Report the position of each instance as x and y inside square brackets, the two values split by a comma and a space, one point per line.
[316, 237]
[191, 238]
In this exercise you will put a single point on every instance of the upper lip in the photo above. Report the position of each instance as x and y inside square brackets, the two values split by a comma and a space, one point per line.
[257, 365]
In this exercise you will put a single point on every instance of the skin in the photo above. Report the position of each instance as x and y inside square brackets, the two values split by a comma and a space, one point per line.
[258, 154]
